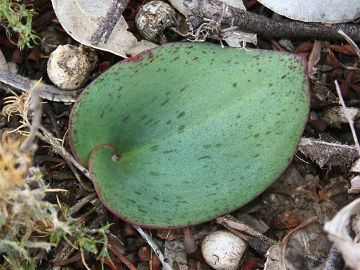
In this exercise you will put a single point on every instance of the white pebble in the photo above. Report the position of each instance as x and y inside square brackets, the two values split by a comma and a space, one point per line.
[69, 66]
[223, 250]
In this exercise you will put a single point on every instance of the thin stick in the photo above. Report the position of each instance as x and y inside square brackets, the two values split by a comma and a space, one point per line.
[351, 42]
[77, 206]
[58, 149]
[121, 257]
[348, 117]
[35, 106]
[47, 92]
[264, 26]
[61, 151]
[109, 21]
[155, 248]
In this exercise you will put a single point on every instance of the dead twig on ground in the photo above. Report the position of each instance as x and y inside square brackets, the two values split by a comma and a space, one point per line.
[35, 107]
[155, 248]
[109, 21]
[118, 253]
[47, 137]
[47, 92]
[256, 240]
[264, 26]
[348, 117]
[350, 41]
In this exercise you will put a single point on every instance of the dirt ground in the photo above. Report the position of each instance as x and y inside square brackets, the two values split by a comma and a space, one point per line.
[300, 202]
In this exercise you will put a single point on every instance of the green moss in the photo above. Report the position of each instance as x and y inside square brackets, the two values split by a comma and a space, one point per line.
[17, 17]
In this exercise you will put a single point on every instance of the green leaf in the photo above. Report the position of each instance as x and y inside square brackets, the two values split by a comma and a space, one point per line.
[200, 130]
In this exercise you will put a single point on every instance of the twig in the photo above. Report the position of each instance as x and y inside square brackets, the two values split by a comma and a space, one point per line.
[256, 240]
[157, 251]
[61, 151]
[47, 92]
[35, 106]
[264, 26]
[82, 253]
[286, 238]
[348, 117]
[76, 207]
[351, 42]
[109, 21]
[58, 149]
[119, 254]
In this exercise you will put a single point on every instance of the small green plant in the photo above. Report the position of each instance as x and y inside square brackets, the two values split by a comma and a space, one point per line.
[28, 223]
[17, 17]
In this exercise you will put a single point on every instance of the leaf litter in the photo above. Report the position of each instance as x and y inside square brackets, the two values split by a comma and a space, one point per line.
[316, 183]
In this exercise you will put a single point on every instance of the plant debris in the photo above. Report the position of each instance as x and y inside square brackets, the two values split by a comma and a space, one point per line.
[50, 215]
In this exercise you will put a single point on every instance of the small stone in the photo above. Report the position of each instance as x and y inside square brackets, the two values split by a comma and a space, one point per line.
[69, 66]
[223, 250]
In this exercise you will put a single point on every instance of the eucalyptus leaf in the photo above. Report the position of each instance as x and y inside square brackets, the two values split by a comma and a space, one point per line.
[81, 18]
[325, 11]
[187, 132]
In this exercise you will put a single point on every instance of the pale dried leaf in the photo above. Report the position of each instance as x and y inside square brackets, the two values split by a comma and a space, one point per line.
[351, 42]
[339, 229]
[356, 166]
[80, 19]
[329, 154]
[355, 185]
[274, 257]
[325, 11]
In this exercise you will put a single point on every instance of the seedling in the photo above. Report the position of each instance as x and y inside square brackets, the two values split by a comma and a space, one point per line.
[187, 132]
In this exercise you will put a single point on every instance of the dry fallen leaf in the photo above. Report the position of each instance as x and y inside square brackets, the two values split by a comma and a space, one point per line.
[325, 11]
[81, 18]
[356, 166]
[347, 222]
[325, 153]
